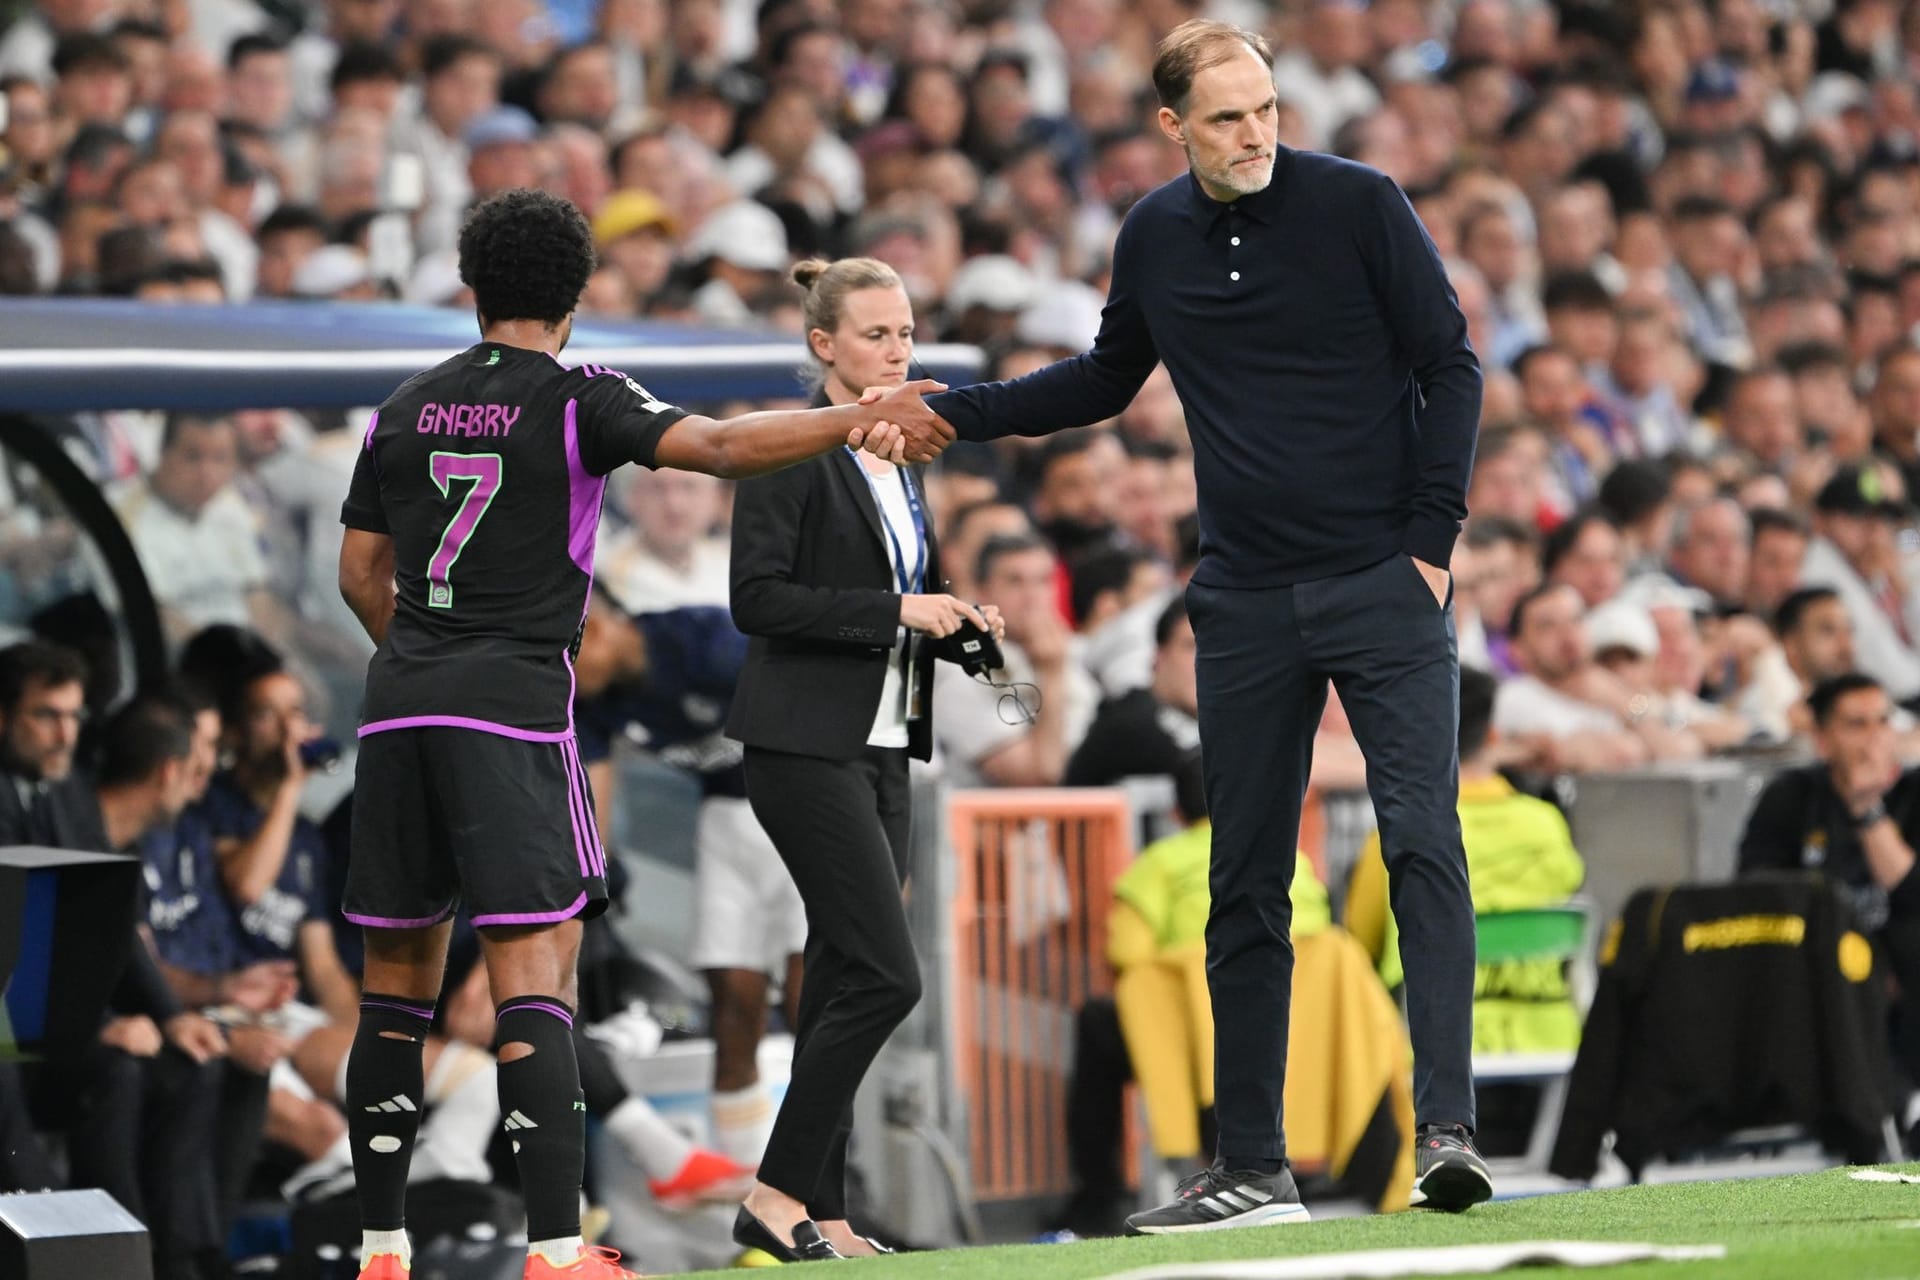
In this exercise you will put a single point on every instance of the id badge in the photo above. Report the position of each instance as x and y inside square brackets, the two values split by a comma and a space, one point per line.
[909, 684]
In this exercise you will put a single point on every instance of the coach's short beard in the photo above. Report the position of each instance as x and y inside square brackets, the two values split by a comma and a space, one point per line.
[1229, 178]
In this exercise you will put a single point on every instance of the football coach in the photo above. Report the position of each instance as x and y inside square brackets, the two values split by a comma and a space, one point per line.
[1332, 397]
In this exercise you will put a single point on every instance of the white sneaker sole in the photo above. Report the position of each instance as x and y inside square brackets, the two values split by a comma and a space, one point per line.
[1454, 1189]
[1267, 1215]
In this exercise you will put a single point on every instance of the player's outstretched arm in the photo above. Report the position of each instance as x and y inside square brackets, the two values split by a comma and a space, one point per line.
[897, 425]
[366, 579]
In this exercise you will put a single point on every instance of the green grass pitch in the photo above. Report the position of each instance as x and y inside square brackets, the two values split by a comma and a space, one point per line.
[1805, 1227]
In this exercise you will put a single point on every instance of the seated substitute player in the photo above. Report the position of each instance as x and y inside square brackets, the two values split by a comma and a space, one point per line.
[468, 555]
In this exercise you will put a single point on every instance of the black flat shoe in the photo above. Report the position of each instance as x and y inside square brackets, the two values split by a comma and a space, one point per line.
[808, 1244]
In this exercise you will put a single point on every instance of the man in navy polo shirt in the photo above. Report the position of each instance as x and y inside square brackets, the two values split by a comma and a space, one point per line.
[1322, 360]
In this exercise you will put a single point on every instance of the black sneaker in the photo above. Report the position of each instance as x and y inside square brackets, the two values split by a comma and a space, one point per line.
[1217, 1200]
[1448, 1174]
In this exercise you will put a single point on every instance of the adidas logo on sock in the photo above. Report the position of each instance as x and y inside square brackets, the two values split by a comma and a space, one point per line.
[398, 1102]
[518, 1120]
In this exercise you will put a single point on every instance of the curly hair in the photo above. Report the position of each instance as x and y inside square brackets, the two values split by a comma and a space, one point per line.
[526, 255]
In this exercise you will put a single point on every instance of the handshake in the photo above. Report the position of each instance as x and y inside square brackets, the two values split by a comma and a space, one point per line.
[903, 428]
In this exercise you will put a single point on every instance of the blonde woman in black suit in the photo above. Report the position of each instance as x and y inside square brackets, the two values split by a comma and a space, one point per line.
[835, 577]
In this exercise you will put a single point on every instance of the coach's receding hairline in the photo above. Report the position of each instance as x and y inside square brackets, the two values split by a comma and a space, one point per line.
[1195, 46]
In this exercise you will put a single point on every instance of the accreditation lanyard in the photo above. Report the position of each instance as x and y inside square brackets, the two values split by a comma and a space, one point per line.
[910, 582]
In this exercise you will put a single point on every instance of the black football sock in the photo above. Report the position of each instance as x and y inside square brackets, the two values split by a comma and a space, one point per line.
[544, 1112]
[384, 1098]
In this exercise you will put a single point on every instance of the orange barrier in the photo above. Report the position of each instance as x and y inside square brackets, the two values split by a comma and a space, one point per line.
[1313, 831]
[1033, 882]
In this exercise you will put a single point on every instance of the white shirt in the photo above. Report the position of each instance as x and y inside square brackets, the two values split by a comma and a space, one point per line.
[229, 245]
[202, 567]
[828, 158]
[1525, 705]
[970, 724]
[1877, 647]
[1325, 99]
[1120, 655]
[1771, 694]
[644, 583]
[890, 717]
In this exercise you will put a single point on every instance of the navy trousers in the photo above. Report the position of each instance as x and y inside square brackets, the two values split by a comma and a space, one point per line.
[1265, 659]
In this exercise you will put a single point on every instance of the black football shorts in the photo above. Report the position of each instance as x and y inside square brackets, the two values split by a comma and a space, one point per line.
[445, 817]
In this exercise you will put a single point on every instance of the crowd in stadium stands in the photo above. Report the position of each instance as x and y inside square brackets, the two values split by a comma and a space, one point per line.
[1685, 235]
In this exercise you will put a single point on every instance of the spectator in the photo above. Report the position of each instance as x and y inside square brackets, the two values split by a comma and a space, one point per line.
[1587, 554]
[669, 557]
[1321, 76]
[1852, 816]
[580, 87]
[460, 83]
[1553, 393]
[366, 78]
[635, 231]
[1494, 245]
[260, 85]
[93, 84]
[1109, 584]
[1505, 566]
[1763, 418]
[969, 529]
[1816, 645]
[1776, 552]
[744, 249]
[1710, 550]
[500, 153]
[1853, 516]
[985, 741]
[1637, 495]
[1566, 713]
[1147, 502]
[1708, 241]
[1581, 319]
[1896, 410]
[1825, 398]
[1642, 386]
[791, 154]
[1147, 732]
[29, 134]
[198, 541]
[1077, 482]
[288, 237]
[1681, 666]
[1509, 478]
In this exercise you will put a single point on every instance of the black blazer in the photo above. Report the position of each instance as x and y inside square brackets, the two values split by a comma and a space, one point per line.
[813, 590]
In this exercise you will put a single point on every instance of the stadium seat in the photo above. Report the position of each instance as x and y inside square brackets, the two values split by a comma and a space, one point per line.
[1563, 933]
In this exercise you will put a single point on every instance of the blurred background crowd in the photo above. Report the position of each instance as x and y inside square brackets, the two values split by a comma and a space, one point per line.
[1685, 235]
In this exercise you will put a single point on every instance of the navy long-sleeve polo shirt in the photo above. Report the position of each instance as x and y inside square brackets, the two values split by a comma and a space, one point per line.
[1320, 354]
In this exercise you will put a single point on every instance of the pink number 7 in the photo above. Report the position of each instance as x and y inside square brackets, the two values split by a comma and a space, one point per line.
[484, 470]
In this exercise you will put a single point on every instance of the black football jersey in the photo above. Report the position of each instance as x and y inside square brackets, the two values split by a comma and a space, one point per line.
[487, 471]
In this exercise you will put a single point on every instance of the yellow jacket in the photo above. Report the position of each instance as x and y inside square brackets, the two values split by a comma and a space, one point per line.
[1520, 854]
[1348, 1057]
[1162, 899]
